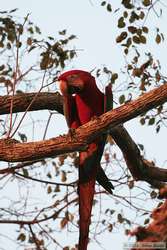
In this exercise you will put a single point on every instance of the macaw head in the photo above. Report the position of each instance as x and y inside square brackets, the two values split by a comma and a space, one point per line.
[73, 81]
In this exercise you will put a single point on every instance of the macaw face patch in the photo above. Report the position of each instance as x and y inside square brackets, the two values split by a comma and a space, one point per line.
[73, 90]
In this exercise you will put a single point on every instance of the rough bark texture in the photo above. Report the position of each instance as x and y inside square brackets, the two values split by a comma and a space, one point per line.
[156, 231]
[51, 101]
[14, 152]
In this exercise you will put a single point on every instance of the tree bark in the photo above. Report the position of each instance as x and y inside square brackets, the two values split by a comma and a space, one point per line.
[40, 101]
[15, 152]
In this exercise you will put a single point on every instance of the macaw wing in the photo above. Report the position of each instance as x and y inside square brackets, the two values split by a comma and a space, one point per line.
[70, 112]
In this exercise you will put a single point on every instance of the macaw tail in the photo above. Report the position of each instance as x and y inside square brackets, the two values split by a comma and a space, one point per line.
[88, 168]
[86, 194]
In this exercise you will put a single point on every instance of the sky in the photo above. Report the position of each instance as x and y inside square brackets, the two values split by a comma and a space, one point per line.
[94, 28]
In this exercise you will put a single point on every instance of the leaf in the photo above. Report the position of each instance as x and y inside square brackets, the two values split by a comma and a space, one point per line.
[122, 99]
[146, 2]
[120, 218]
[63, 32]
[153, 194]
[25, 172]
[143, 39]
[57, 189]
[142, 121]
[103, 3]
[145, 29]
[151, 121]
[136, 39]
[63, 176]
[146, 221]
[142, 15]
[49, 189]
[114, 77]
[141, 146]
[137, 72]
[132, 29]
[29, 41]
[125, 14]
[110, 227]
[121, 23]
[72, 37]
[121, 37]
[11, 11]
[23, 137]
[63, 222]
[158, 38]
[127, 4]
[109, 8]
[37, 29]
[158, 128]
[21, 237]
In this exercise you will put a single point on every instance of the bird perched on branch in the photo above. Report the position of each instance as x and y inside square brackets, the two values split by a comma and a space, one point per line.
[82, 100]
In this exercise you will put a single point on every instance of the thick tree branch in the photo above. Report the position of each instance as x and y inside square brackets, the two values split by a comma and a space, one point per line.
[85, 134]
[140, 168]
[51, 101]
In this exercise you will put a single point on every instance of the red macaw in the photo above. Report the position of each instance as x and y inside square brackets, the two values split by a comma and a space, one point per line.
[82, 101]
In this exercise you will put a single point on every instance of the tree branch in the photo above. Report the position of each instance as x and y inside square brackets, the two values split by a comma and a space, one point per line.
[140, 168]
[85, 134]
[51, 101]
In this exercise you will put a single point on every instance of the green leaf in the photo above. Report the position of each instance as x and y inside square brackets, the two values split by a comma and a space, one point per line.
[121, 23]
[146, 221]
[114, 77]
[122, 99]
[151, 121]
[25, 172]
[125, 14]
[109, 8]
